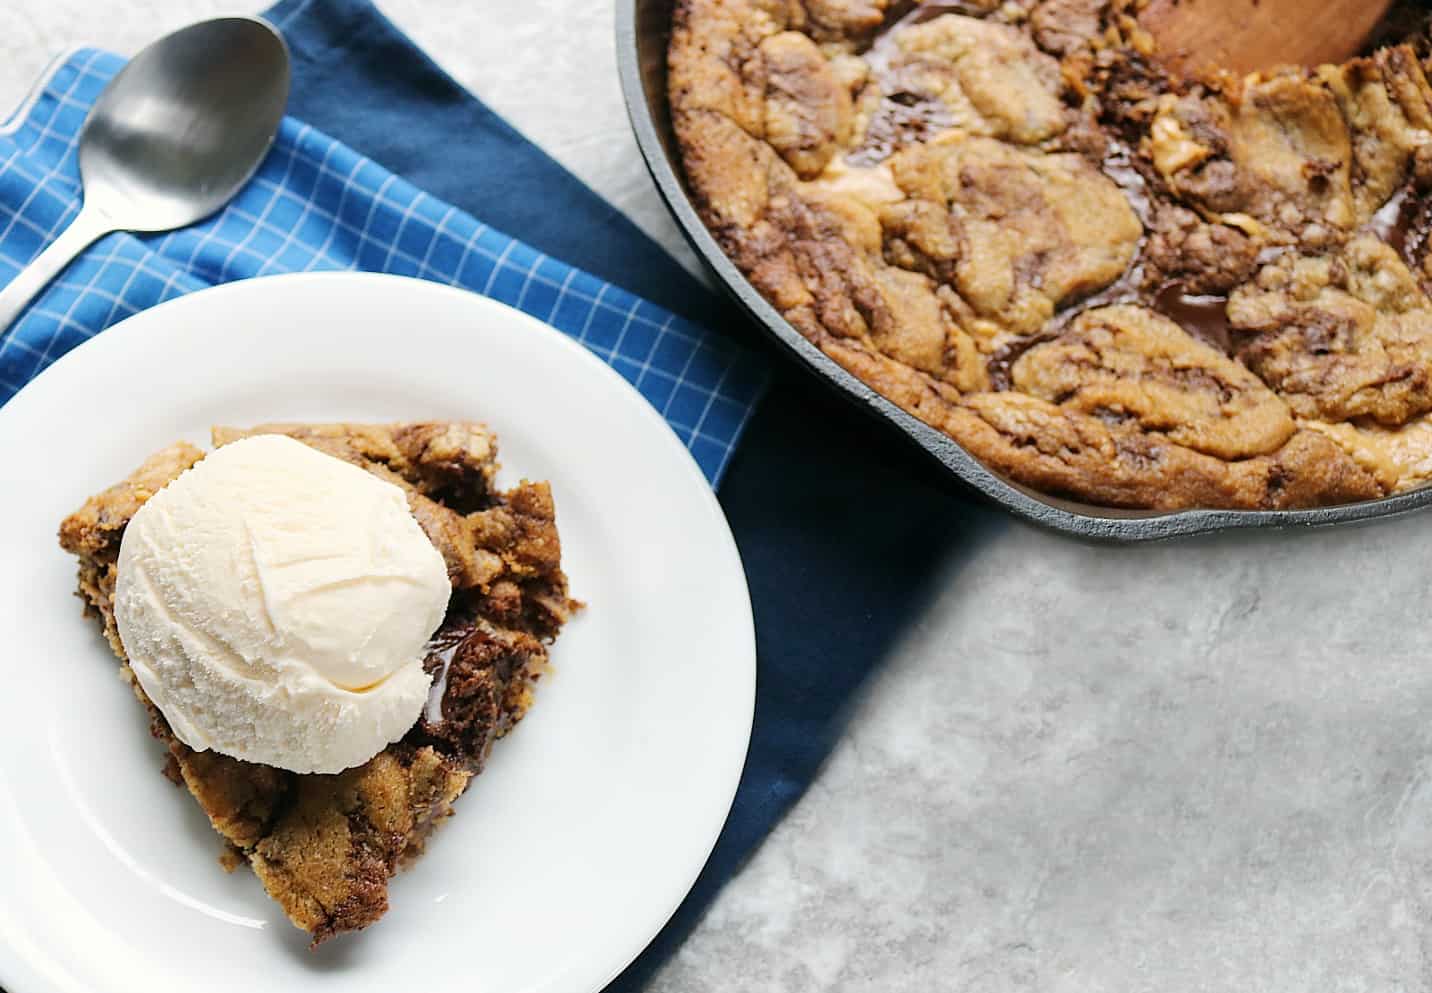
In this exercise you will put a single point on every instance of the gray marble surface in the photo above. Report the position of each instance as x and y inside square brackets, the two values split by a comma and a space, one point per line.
[1195, 767]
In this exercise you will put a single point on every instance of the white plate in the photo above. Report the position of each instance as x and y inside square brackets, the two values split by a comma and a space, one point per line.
[591, 821]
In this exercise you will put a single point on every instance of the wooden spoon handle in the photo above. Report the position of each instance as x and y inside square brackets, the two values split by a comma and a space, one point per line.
[1248, 35]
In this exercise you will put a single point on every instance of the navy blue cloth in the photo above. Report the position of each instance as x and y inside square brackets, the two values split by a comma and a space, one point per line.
[841, 526]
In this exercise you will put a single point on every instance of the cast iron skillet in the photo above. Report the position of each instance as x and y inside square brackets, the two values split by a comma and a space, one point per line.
[643, 28]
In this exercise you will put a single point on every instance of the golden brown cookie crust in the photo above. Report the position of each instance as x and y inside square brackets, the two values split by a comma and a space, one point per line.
[1106, 284]
[325, 846]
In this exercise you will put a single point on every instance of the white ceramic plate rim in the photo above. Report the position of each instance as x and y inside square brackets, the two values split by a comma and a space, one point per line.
[20, 972]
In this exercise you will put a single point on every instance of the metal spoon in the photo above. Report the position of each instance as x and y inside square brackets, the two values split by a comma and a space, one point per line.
[170, 140]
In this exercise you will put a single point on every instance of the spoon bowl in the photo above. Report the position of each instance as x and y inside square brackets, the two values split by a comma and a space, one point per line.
[1243, 36]
[175, 135]
[185, 124]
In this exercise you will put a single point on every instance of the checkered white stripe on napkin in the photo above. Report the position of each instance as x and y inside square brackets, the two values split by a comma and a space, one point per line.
[316, 204]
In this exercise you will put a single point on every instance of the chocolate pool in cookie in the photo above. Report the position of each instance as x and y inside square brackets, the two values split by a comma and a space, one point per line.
[1106, 283]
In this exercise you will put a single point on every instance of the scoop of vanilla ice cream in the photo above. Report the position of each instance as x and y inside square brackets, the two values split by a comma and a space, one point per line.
[274, 603]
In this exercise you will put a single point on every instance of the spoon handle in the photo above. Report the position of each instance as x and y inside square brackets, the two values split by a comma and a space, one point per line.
[87, 226]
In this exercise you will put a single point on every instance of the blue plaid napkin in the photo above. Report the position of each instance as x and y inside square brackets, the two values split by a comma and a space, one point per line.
[316, 204]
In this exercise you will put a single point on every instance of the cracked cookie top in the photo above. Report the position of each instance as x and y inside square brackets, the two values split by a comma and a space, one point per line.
[1107, 283]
